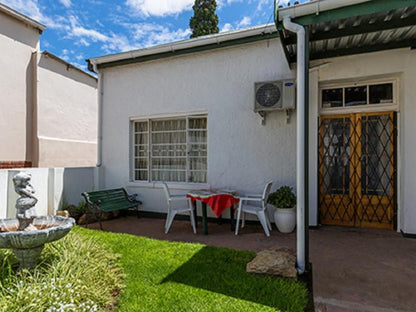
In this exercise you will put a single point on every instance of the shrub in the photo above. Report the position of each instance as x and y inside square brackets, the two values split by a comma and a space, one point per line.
[282, 198]
[74, 274]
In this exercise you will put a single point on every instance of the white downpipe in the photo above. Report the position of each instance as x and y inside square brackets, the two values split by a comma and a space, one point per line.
[300, 144]
[99, 126]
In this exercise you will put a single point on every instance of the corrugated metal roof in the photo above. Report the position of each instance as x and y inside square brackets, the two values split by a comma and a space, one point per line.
[358, 33]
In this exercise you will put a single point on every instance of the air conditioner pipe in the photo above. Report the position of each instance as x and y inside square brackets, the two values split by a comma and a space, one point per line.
[300, 146]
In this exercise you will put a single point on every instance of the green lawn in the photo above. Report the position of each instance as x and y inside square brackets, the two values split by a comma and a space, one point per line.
[172, 276]
[157, 276]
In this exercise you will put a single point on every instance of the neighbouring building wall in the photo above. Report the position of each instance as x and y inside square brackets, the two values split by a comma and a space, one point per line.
[395, 63]
[67, 115]
[18, 42]
[243, 154]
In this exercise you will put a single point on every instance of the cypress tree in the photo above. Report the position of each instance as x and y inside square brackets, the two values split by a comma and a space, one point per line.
[205, 20]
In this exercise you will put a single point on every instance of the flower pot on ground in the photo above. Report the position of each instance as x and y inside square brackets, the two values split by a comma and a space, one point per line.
[285, 219]
[284, 200]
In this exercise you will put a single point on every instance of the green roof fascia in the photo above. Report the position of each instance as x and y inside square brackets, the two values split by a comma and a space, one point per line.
[365, 8]
[379, 26]
[364, 49]
[284, 46]
[276, 16]
[280, 32]
[157, 56]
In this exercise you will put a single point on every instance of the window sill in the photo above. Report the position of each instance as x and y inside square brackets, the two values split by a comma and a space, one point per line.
[172, 185]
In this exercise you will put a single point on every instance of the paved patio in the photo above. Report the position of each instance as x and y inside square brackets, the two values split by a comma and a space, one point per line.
[353, 269]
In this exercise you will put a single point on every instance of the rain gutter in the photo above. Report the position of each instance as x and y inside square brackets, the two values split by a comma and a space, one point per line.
[100, 113]
[99, 125]
[199, 44]
[315, 7]
[302, 249]
[300, 139]
[68, 65]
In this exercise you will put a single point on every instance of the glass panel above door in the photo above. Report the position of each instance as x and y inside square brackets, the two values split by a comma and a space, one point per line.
[356, 96]
[381, 93]
[364, 96]
[332, 98]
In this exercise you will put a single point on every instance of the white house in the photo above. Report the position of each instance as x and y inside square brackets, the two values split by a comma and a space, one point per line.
[48, 107]
[209, 97]
[185, 113]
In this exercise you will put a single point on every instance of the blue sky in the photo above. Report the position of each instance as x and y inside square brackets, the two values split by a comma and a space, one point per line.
[81, 29]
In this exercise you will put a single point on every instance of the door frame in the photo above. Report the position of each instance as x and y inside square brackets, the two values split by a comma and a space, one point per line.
[354, 208]
[393, 106]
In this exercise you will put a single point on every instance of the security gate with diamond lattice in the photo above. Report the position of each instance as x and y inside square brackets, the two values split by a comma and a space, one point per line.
[357, 170]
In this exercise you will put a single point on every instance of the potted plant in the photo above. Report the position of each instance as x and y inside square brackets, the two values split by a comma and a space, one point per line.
[284, 201]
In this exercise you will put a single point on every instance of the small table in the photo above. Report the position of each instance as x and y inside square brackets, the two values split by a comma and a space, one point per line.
[218, 200]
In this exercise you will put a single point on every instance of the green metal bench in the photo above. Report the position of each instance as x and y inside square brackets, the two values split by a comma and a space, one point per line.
[109, 201]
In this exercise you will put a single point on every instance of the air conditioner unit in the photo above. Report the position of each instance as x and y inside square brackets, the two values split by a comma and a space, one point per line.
[274, 95]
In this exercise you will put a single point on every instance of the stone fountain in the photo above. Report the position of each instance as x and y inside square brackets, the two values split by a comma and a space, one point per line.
[28, 233]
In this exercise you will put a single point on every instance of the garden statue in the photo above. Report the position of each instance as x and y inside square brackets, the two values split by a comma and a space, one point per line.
[27, 234]
[25, 204]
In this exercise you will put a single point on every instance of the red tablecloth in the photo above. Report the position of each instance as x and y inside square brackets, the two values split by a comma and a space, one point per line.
[217, 202]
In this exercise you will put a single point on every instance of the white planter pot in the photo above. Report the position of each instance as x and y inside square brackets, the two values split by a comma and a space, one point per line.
[285, 219]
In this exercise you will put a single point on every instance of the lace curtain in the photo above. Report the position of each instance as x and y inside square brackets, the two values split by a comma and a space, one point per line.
[178, 151]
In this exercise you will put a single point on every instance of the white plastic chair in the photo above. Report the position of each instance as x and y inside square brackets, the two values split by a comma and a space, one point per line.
[248, 205]
[173, 209]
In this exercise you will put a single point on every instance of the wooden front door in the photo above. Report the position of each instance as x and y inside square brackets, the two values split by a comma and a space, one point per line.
[357, 170]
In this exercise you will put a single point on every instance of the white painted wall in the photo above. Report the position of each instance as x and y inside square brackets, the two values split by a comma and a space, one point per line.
[398, 63]
[17, 42]
[3, 193]
[67, 115]
[53, 187]
[242, 153]
[76, 181]
[313, 147]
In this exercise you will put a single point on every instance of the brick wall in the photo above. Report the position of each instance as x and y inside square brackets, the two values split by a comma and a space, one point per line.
[15, 164]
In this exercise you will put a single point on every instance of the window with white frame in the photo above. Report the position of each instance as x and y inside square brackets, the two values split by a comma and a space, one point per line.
[171, 150]
[364, 95]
